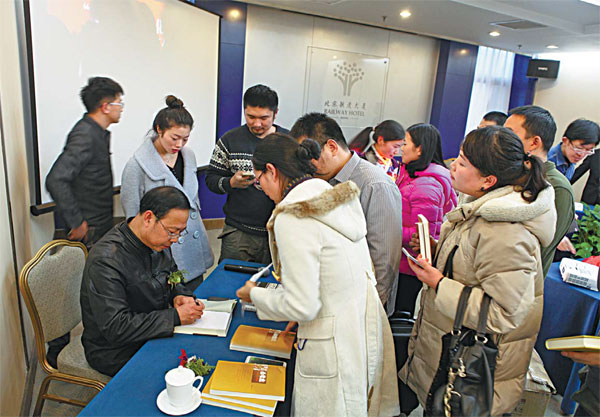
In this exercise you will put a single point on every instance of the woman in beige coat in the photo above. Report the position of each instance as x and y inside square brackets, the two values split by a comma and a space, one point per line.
[508, 213]
[345, 359]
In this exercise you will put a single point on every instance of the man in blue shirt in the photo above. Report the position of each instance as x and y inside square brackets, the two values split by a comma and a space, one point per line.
[579, 140]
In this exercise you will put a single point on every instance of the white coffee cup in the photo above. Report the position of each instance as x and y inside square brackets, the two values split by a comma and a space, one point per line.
[180, 386]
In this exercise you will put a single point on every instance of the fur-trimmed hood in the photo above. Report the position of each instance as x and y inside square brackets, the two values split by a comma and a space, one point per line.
[506, 205]
[337, 207]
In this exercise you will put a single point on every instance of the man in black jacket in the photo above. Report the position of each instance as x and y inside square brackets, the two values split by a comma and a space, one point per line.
[128, 294]
[80, 181]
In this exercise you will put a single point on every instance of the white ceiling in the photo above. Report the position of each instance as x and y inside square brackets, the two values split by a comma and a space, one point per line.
[571, 24]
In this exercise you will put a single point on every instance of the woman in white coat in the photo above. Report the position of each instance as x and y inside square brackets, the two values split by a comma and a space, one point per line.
[345, 362]
[161, 160]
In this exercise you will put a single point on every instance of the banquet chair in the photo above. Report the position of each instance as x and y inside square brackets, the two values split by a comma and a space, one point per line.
[50, 284]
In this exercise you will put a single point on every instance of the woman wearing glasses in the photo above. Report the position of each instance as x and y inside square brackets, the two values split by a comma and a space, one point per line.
[345, 365]
[161, 160]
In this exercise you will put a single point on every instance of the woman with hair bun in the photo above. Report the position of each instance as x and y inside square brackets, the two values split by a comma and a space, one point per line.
[345, 363]
[163, 159]
[380, 144]
[492, 242]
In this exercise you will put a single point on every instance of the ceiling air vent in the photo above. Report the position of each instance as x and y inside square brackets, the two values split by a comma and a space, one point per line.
[519, 24]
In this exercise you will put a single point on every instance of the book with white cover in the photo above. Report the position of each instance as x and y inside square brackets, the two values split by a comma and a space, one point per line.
[215, 320]
[581, 343]
[425, 243]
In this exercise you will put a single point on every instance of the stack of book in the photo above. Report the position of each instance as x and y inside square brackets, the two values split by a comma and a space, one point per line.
[263, 341]
[247, 387]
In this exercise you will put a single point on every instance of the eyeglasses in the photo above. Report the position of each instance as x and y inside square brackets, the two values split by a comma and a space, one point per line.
[257, 182]
[581, 151]
[172, 234]
[114, 103]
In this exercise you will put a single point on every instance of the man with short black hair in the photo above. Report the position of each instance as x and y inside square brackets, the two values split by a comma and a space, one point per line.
[128, 292]
[379, 197]
[536, 128]
[579, 140]
[493, 118]
[247, 208]
[80, 181]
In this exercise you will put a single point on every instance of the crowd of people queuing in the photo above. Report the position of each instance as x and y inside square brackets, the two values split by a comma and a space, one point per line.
[333, 217]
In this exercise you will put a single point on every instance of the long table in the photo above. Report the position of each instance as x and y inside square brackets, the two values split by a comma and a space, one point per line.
[134, 389]
[569, 310]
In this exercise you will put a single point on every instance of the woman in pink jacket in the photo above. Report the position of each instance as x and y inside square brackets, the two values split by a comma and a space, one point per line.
[426, 188]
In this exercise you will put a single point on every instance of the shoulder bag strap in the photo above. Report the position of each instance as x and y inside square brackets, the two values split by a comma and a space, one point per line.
[448, 269]
[460, 310]
[483, 313]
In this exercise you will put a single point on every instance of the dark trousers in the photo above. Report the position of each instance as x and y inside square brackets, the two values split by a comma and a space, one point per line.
[408, 290]
[237, 244]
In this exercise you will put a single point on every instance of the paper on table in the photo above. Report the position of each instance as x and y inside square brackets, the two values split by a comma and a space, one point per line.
[210, 320]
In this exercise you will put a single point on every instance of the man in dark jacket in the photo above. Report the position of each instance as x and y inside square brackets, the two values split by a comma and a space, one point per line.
[80, 181]
[128, 294]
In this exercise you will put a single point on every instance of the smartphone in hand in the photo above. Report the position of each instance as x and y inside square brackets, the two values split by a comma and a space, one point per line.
[412, 258]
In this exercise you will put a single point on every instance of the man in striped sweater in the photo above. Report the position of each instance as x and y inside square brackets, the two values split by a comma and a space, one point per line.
[247, 208]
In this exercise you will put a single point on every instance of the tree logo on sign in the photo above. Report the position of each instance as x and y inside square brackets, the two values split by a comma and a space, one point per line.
[348, 74]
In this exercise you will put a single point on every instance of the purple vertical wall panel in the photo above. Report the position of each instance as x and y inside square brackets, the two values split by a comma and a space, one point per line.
[452, 93]
[522, 88]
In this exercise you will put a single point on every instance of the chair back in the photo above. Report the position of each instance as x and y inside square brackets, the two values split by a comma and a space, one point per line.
[50, 284]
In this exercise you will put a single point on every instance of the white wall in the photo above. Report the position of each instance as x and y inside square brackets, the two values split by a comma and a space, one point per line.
[276, 55]
[574, 94]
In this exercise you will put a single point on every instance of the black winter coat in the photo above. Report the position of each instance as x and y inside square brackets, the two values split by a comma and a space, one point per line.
[80, 181]
[125, 298]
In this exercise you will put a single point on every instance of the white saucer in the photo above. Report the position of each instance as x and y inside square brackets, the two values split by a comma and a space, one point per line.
[162, 401]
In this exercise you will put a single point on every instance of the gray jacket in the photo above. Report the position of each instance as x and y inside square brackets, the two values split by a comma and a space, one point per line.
[145, 171]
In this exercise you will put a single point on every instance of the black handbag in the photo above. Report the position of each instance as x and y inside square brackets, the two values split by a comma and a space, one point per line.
[464, 382]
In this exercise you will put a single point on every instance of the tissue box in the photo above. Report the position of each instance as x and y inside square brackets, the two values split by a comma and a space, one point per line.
[579, 273]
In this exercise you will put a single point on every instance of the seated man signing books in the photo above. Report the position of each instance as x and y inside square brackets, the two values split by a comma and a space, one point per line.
[128, 292]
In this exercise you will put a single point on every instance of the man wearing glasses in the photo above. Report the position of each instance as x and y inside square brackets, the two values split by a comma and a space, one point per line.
[578, 142]
[80, 181]
[127, 293]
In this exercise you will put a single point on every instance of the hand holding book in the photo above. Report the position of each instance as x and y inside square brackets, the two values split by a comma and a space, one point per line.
[587, 358]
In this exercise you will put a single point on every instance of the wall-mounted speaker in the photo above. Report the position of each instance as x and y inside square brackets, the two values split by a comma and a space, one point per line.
[543, 68]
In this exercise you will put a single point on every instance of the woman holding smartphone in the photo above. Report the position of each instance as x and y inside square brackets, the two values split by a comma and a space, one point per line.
[163, 159]
[345, 363]
[492, 240]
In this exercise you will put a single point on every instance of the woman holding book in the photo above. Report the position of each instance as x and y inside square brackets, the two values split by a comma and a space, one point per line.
[345, 354]
[426, 188]
[492, 240]
[163, 159]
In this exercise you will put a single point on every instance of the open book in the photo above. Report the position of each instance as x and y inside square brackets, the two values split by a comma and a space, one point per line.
[215, 320]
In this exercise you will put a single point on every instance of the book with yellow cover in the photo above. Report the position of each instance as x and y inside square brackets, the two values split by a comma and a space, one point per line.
[248, 380]
[248, 405]
[263, 341]
[581, 343]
